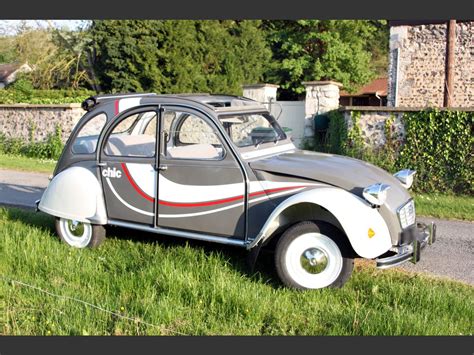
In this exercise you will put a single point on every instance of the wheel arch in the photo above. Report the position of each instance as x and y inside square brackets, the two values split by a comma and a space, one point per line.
[75, 194]
[337, 207]
[310, 211]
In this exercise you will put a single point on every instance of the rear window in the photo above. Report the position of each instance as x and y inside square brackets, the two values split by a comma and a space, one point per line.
[86, 139]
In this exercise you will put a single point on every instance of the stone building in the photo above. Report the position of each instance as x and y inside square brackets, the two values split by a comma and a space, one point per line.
[418, 68]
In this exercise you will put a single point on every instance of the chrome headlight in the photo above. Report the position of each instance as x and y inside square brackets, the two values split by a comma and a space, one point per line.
[405, 177]
[376, 194]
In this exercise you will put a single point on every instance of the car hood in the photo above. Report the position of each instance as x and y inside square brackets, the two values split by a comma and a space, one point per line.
[350, 174]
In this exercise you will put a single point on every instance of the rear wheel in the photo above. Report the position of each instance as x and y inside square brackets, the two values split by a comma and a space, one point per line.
[310, 255]
[80, 234]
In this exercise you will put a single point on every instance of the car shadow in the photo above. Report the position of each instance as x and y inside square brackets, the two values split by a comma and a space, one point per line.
[238, 257]
[264, 268]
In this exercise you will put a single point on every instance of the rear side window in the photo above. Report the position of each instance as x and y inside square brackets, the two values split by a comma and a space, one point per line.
[134, 136]
[86, 139]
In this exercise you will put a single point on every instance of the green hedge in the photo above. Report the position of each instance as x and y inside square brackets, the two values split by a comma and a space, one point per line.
[439, 145]
[51, 148]
[42, 97]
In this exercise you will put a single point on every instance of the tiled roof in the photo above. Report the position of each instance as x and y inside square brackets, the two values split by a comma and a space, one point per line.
[7, 69]
[377, 86]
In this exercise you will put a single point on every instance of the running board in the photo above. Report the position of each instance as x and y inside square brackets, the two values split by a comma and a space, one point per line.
[177, 233]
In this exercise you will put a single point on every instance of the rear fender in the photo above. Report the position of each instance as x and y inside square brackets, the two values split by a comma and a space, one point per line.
[75, 194]
[354, 215]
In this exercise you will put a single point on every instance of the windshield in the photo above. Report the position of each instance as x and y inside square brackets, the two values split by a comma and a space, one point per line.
[252, 129]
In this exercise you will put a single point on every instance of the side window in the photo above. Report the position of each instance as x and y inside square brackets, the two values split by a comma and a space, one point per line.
[191, 137]
[86, 139]
[134, 136]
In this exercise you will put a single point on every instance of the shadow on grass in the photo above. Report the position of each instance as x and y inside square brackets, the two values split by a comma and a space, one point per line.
[237, 257]
[264, 268]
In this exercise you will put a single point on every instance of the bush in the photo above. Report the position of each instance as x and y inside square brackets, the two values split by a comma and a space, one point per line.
[51, 148]
[438, 145]
[20, 93]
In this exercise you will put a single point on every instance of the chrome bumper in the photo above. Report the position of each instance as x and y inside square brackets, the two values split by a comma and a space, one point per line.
[411, 252]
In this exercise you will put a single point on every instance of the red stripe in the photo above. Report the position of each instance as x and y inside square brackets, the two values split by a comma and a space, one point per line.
[116, 107]
[135, 186]
[201, 204]
[270, 191]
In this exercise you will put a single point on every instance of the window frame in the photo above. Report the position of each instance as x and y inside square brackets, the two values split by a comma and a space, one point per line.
[125, 115]
[282, 137]
[79, 129]
[175, 126]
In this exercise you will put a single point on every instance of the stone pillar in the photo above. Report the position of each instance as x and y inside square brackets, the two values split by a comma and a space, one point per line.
[321, 97]
[263, 93]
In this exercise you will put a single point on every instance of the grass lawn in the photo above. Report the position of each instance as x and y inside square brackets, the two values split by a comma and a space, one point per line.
[22, 163]
[171, 286]
[445, 206]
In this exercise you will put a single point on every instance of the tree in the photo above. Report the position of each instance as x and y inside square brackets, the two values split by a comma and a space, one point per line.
[308, 50]
[171, 56]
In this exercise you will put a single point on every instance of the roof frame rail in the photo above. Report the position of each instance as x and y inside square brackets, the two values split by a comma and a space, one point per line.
[92, 101]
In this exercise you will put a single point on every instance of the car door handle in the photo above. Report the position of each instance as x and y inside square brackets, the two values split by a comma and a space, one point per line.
[102, 164]
[163, 167]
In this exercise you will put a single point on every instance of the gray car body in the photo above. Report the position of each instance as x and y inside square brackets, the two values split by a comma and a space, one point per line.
[240, 225]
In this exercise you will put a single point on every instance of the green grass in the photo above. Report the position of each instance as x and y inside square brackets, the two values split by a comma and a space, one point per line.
[22, 163]
[182, 287]
[445, 206]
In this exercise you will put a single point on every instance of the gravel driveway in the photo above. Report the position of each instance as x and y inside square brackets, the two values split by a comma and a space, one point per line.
[451, 256]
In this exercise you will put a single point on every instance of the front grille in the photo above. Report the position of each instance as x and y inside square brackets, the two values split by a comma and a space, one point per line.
[406, 214]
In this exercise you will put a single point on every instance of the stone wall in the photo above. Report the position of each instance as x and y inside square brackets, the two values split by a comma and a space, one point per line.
[418, 62]
[18, 120]
[264, 93]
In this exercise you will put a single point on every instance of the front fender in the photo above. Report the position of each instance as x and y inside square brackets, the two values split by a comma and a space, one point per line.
[354, 215]
[75, 194]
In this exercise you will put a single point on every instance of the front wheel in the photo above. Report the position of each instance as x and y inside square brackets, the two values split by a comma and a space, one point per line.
[79, 234]
[307, 256]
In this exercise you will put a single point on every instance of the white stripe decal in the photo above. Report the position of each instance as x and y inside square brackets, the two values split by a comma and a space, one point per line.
[125, 104]
[227, 207]
[196, 213]
[144, 176]
[125, 202]
[269, 151]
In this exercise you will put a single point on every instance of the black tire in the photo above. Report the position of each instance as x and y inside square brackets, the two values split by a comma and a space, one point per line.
[343, 255]
[95, 234]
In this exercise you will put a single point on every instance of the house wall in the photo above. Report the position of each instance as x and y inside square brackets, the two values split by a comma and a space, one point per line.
[291, 114]
[17, 120]
[418, 62]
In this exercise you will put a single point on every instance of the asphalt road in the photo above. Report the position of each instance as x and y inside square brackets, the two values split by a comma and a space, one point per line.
[451, 256]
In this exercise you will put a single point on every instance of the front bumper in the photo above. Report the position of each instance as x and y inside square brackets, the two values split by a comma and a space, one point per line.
[424, 235]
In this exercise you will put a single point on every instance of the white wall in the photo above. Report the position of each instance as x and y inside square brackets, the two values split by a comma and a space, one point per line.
[292, 116]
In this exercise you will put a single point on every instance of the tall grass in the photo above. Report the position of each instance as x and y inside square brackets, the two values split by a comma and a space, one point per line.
[181, 287]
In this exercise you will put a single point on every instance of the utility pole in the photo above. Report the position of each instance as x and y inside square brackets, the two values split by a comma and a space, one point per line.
[449, 72]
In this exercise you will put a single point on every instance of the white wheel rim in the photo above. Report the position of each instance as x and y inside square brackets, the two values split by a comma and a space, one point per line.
[324, 255]
[76, 234]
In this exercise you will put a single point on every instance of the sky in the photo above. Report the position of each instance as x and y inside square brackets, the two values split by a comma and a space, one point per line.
[8, 27]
